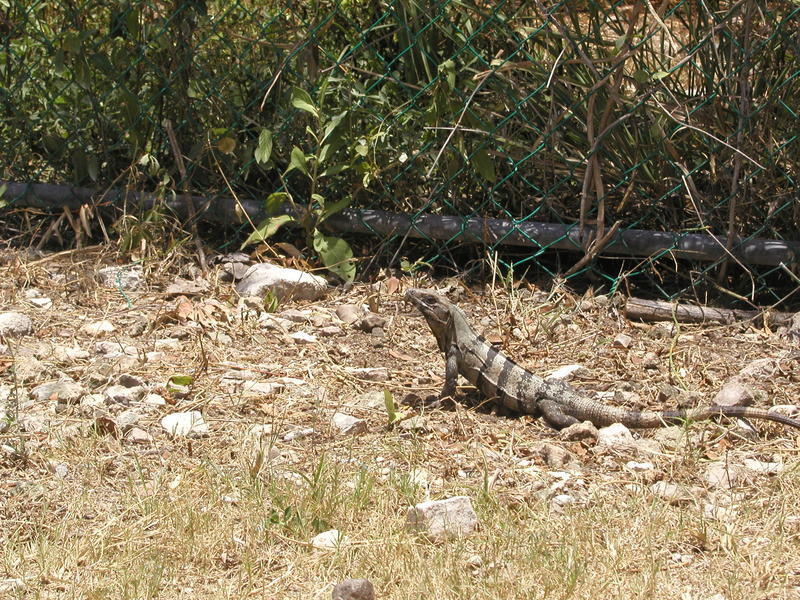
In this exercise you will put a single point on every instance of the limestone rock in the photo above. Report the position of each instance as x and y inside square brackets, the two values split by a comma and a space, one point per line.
[185, 424]
[353, 589]
[443, 519]
[282, 282]
[14, 324]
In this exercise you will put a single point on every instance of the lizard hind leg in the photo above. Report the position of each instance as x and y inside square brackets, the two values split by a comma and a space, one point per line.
[554, 416]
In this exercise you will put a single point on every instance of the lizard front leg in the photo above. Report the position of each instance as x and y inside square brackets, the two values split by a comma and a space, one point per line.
[450, 372]
[450, 377]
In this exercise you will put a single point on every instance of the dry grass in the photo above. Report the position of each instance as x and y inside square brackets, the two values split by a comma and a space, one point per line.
[180, 518]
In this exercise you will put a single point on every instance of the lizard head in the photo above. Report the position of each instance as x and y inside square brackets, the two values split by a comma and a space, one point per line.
[435, 308]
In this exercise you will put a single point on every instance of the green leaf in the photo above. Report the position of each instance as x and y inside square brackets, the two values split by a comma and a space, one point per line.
[333, 124]
[391, 410]
[3, 203]
[264, 148]
[658, 75]
[484, 164]
[641, 76]
[58, 61]
[336, 255]
[181, 380]
[271, 302]
[302, 100]
[334, 170]
[266, 229]
[92, 167]
[332, 209]
[448, 69]
[274, 201]
[297, 161]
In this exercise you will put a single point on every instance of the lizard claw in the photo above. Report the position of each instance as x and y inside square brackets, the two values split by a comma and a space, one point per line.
[433, 402]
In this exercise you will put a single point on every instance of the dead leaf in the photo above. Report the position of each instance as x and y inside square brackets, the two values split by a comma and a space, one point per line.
[400, 355]
[226, 145]
[290, 249]
[392, 284]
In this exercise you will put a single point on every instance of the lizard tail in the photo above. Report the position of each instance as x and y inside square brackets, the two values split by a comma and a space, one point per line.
[745, 412]
[602, 415]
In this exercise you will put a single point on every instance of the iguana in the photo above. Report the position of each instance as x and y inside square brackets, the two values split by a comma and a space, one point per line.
[501, 379]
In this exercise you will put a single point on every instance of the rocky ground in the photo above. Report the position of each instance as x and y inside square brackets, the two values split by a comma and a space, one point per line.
[164, 436]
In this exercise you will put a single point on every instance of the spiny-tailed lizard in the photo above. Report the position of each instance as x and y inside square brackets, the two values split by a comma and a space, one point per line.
[501, 379]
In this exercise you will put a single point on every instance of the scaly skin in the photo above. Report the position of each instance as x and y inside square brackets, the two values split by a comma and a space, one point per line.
[501, 379]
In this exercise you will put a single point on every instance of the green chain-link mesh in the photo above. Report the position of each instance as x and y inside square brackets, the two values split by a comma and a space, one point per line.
[679, 117]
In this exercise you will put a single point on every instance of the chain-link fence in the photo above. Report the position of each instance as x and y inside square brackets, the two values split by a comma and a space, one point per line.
[594, 118]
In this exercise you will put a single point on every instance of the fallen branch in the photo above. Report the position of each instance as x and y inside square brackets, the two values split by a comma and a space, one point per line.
[541, 236]
[657, 310]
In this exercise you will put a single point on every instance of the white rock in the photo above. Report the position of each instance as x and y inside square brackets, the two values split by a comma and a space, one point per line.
[330, 330]
[734, 393]
[125, 395]
[724, 476]
[167, 344]
[761, 368]
[475, 561]
[767, 468]
[373, 400]
[129, 277]
[298, 434]
[671, 492]
[291, 381]
[295, 315]
[154, 400]
[274, 322]
[615, 436]
[127, 419]
[443, 519]
[349, 313]
[44, 303]
[416, 423]
[353, 589]
[75, 353]
[13, 324]
[329, 540]
[137, 435]
[623, 340]
[301, 337]
[68, 392]
[11, 585]
[111, 349]
[579, 431]
[369, 373]
[789, 410]
[568, 372]
[185, 424]
[98, 327]
[255, 389]
[282, 282]
[348, 424]
[563, 500]
[58, 469]
[638, 467]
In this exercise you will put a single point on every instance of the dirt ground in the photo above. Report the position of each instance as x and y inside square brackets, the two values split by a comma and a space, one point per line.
[99, 500]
